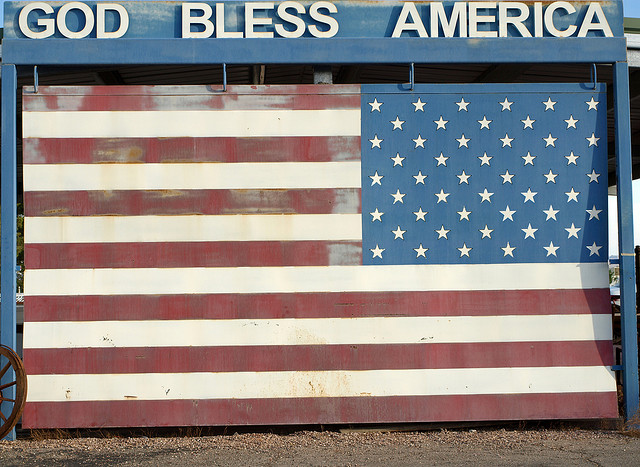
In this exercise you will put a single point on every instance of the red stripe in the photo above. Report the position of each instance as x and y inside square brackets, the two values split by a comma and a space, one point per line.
[176, 202]
[190, 254]
[192, 102]
[317, 305]
[308, 97]
[320, 410]
[156, 150]
[316, 357]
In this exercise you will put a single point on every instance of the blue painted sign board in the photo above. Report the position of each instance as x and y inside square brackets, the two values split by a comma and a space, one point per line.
[321, 32]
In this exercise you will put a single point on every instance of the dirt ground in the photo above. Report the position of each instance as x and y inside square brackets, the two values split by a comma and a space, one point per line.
[482, 446]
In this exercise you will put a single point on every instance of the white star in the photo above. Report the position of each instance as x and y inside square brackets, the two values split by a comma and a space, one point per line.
[593, 176]
[375, 179]
[573, 231]
[571, 122]
[464, 214]
[420, 178]
[506, 105]
[442, 196]
[462, 105]
[528, 195]
[593, 105]
[375, 105]
[420, 214]
[508, 250]
[441, 123]
[593, 141]
[397, 123]
[375, 142]
[397, 196]
[507, 214]
[551, 213]
[442, 159]
[464, 178]
[419, 105]
[464, 250]
[397, 160]
[419, 142]
[399, 233]
[462, 141]
[484, 123]
[420, 251]
[594, 249]
[571, 159]
[551, 177]
[550, 140]
[572, 195]
[484, 159]
[549, 105]
[442, 233]
[485, 195]
[528, 159]
[529, 232]
[506, 141]
[528, 123]
[377, 251]
[377, 215]
[551, 250]
[594, 213]
[486, 232]
[506, 177]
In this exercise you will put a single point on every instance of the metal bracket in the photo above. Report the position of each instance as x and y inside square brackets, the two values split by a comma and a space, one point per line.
[224, 77]
[594, 76]
[35, 79]
[412, 76]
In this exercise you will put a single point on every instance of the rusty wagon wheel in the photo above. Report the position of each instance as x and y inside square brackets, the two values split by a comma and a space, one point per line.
[11, 408]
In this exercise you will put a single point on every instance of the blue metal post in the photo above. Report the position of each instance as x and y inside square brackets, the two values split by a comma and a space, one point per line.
[625, 240]
[8, 219]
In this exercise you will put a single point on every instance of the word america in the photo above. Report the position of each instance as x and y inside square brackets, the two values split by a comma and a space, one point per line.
[290, 19]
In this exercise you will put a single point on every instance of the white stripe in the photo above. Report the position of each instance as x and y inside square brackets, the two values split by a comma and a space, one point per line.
[317, 331]
[295, 384]
[194, 176]
[194, 123]
[193, 228]
[151, 281]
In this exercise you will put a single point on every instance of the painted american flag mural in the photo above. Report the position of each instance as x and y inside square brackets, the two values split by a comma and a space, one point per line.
[315, 254]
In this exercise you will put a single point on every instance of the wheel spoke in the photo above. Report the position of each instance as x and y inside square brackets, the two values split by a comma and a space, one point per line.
[6, 399]
[5, 386]
[4, 370]
[3, 417]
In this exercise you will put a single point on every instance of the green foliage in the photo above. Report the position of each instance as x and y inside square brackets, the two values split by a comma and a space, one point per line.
[20, 247]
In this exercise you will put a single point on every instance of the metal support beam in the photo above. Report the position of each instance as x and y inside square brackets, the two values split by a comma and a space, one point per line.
[8, 221]
[625, 240]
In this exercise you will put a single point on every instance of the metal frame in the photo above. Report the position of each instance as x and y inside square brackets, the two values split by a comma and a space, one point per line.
[164, 51]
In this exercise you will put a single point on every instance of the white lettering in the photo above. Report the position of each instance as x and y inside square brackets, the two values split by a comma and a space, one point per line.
[220, 29]
[439, 18]
[123, 16]
[291, 19]
[409, 9]
[61, 20]
[188, 20]
[475, 19]
[549, 21]
[537, 20]
[315, 14]
[47, 23]
[601, 25]
[504, 20]
[250, 21]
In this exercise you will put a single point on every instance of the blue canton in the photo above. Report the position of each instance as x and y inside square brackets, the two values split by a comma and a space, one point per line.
[484, 174]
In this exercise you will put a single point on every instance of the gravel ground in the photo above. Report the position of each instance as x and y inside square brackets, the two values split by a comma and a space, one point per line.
[444, 447]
